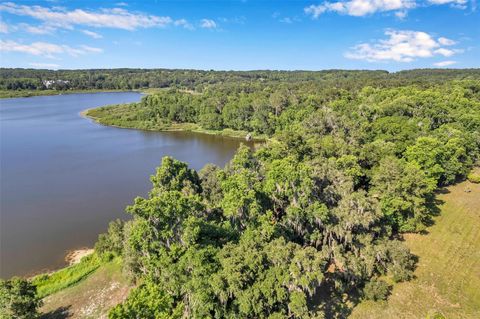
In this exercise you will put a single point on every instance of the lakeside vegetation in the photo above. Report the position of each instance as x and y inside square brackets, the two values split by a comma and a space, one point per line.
[48, 284]
[5, 94]
[118, 115]
[311, 223]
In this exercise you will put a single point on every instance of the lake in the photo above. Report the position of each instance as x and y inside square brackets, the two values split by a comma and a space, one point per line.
[64, 177]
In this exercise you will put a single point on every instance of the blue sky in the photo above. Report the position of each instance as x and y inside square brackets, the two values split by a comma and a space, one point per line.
[240, 35]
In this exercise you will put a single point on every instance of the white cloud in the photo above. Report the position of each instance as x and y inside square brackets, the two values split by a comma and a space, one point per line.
[3, 27]
[455, 2]
[49, 50]
[208, 24]
[92, 34]
[444, 63]
[315, 11]
[110, 18]
[360, 8]
[44, 65]
[445, 52]
[445, 41]
[90, 49]
[183, 23]
[121, 4]
[402, 46]
[286, 20]
[41, 29]
[401, 14]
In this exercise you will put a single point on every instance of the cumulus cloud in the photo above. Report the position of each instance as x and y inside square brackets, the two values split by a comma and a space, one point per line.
[444, 63]
[208, 24]
[92, 34]
[38, 65]
[360, 8]
[49, 50]
[402, 46]
[117, 18]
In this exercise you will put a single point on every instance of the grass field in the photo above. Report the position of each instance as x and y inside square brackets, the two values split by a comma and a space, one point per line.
[90, 298]
[448, 273]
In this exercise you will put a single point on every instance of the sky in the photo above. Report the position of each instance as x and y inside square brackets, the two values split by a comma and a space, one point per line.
[240, 34]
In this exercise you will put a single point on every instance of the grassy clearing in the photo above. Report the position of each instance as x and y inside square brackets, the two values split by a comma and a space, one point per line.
[90, 298]
[448, 273]
[48, 284]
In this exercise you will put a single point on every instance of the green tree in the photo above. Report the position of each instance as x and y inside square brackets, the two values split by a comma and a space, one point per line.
[18, 299]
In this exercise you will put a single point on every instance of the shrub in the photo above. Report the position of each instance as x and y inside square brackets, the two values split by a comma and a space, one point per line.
[435, 315]
[18, 299]
[474, 177]
[376, 290]
[110, 244]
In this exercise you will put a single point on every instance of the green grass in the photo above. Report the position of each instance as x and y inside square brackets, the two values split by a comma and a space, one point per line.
[448, 273]
[92, 297]
[48, 284]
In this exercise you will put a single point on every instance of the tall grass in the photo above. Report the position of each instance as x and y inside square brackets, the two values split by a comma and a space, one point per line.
[48, 284]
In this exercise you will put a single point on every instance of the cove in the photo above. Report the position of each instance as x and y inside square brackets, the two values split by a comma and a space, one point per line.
[64, 177]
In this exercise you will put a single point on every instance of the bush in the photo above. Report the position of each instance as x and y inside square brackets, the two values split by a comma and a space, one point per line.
[147, 301]
[18, 299]
[474, 177]
[376, 290]
[110, 244]
[435, 315]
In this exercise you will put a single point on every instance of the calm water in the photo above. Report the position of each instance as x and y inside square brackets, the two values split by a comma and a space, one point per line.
[63, 177]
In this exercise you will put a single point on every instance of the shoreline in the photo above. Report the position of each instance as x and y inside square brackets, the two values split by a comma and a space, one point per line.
[10, 94]
[173, 128]
[71, 257]
[75, 256]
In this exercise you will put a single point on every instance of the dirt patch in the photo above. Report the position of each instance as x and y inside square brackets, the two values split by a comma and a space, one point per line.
[92, 297]
[73, 257]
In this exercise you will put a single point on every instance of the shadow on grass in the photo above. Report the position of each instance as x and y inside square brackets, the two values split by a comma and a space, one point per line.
[59, 313]
[332, 304]
[433, 207]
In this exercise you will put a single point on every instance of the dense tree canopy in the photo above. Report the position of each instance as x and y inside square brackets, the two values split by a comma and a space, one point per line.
[314, 216]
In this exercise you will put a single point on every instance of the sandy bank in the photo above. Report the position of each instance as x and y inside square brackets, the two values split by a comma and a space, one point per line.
[74, 256]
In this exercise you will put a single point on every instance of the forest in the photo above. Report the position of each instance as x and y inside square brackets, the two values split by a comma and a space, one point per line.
[306, 223]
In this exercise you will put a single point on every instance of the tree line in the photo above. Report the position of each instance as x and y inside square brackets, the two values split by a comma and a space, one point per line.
[134, 79]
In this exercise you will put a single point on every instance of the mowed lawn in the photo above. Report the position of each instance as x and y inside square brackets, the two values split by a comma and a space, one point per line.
[90, 298]
[448, 273]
